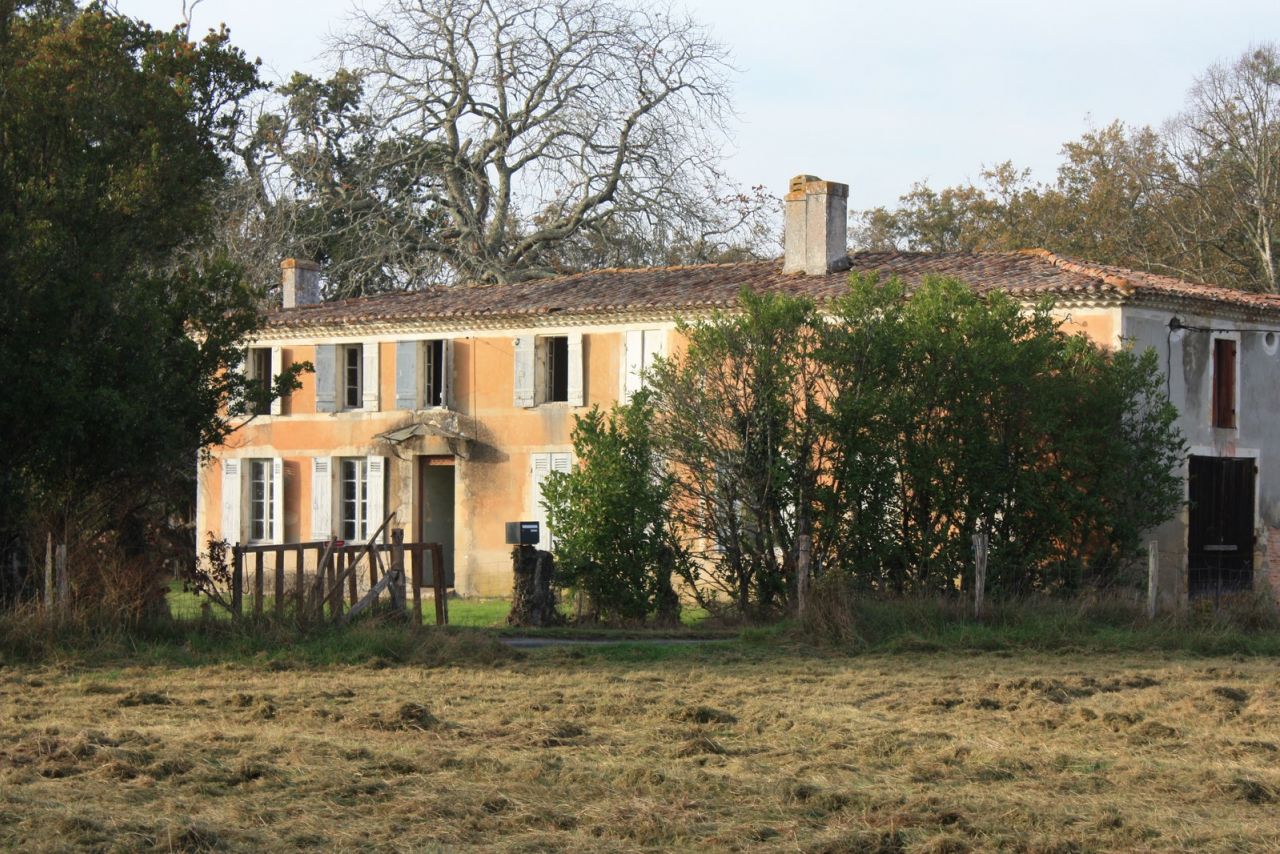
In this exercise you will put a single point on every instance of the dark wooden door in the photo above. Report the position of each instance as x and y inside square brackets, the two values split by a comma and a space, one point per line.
[1220, 534]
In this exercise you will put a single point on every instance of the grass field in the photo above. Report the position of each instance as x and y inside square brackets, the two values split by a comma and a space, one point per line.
[730, 746]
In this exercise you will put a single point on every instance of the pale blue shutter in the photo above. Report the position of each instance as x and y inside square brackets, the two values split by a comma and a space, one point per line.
[408, 372]
[326, 378]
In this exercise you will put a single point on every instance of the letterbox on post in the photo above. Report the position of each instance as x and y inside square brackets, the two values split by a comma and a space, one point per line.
[523, 533]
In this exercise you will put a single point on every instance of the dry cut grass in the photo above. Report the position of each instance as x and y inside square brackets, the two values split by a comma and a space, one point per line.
[721, 749]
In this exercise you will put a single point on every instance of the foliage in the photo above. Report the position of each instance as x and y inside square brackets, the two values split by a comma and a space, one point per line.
[894, 427]
[613, 542]
[1061, 452]
[734, 417]
[1198, 199]
[495, 141]
[115, 350]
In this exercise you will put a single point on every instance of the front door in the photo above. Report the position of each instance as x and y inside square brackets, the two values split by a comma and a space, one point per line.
[1220, 534]
[435, 505]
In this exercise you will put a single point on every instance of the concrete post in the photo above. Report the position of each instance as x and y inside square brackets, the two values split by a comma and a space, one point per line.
[1153, 578]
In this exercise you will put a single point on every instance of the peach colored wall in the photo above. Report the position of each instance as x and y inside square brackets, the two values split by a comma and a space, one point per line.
[492, 487]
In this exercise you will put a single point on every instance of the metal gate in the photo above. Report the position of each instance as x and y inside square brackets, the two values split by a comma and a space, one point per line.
[1220, 533]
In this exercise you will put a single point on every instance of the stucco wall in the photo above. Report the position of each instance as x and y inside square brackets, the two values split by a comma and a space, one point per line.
[1187, 358]
[492, 484]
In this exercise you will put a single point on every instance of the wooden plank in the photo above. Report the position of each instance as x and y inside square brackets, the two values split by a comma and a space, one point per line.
[300, 580]
[351, 581]
[237, 581]
[437, 584]
[334, 591]
[279, 591]
[258, 560]
[415, 557]
[370, 597]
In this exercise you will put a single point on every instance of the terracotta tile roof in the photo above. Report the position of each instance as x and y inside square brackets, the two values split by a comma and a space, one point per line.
[1027, 274]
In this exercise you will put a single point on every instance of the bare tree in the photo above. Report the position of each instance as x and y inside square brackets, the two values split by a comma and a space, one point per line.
[497, 140]
[1227, 147]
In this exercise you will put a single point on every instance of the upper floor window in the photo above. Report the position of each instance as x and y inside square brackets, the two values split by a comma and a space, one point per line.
[642, 348]
[549, 369]
[422, 374]
[352, 383]
[1224, 382]
[555, 358]
[261, 366]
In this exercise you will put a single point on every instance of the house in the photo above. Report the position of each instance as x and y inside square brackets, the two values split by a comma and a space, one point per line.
[449, 406]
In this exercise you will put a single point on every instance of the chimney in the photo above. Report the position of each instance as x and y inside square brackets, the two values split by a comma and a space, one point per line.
[299, 282]
[815, 236]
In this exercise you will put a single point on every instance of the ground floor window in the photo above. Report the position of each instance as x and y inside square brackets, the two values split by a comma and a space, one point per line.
[354, 502]
[262, 500]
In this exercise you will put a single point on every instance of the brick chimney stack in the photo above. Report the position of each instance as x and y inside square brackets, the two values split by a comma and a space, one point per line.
[299, 282]
[815, 237]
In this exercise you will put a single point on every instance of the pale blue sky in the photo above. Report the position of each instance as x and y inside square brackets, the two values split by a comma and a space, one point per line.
[880, 94]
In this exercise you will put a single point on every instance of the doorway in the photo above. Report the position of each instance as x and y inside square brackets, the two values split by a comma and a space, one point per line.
[1220, 532]
[435, 505]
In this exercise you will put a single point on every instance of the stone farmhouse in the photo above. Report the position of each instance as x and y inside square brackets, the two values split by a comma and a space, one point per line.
[449, 406]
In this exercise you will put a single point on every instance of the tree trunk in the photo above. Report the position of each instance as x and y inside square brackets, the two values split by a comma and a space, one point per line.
[533, 601]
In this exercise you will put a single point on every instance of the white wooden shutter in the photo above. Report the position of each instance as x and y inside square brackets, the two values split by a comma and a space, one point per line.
[541, 465]
[633, 363]
[326, 379]
[277, 500]
[376, 492]
[322, 497]
[575, 369]
[369, 375]
[277, 368]
[232, 496]
[408, 373]
[446, 378]
[562, 463]
[655, 346]
[524, 371]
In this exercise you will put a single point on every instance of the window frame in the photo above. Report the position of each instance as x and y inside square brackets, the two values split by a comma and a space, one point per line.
[554, 368]
[1225, 383]
[353, 527]
[261, 475]
[434, 388]
[348, 389]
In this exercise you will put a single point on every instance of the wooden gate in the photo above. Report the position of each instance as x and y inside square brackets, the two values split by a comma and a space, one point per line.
[1220, 533]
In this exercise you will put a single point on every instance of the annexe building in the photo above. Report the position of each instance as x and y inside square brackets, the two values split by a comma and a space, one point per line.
[449, 406]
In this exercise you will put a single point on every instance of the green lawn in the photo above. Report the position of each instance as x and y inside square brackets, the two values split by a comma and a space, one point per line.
[472, 612]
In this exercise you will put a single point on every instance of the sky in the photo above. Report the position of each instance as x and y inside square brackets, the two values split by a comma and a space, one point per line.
[881, 94]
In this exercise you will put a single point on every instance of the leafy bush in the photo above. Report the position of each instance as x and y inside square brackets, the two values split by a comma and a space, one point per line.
[612, 540]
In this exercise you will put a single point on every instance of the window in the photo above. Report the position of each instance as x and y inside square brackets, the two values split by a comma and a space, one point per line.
[1224, 382]
[348, 497]
[252, 500]
[262, 499]
[261, 365]
[548, 369]
[433, 374]
[544, 464]
[351, 384]
[556, 361]
[643, 348]
[353, 518]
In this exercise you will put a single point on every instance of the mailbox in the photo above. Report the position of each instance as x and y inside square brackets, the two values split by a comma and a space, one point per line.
[523, 533]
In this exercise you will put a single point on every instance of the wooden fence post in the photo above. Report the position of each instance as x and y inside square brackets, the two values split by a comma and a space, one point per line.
[258, 588]
[438, 584]
[237, 581]
[300, 581]
[1153, 578]
[415, 581]
[397, 566]
[981, 544]
[279, 583]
